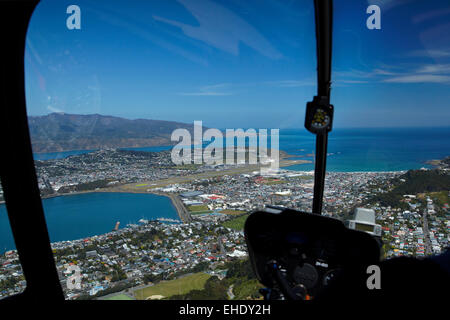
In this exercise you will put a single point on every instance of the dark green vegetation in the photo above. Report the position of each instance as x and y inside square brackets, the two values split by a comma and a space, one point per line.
[214, 289]
[412, 182]
[236, 223]
[202, 266]
[62, 132]
[240, 281]
[85, 186]
[418, 181]
[9, 283]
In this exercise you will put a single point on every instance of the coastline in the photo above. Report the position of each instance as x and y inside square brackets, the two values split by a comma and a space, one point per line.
[183, 215]
[182, 212]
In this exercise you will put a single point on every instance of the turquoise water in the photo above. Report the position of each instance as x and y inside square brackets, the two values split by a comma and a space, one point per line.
[65, 154]
[59, 155]
[352, 149]
[79, 216]
[371, 149]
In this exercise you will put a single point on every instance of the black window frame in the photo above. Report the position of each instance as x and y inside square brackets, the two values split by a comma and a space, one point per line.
[17, 171]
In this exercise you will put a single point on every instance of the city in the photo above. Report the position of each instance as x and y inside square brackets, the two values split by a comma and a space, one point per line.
[216, 201]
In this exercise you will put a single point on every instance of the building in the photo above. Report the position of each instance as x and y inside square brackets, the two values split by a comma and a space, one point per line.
[190, 194]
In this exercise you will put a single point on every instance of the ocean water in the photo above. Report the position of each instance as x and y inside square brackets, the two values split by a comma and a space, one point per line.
[59, 155]
[65, 154]
[371, 149]
[83, 215]
[350, 149]
[79, 216]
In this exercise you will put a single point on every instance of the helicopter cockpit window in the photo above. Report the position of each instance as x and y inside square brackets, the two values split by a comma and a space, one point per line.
[158, 126]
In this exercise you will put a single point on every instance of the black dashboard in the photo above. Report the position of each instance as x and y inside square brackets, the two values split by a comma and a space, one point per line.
[299, 254]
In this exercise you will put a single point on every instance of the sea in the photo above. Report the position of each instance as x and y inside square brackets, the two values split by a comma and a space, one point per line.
[80, 216]
[349, 150]
[375, 149]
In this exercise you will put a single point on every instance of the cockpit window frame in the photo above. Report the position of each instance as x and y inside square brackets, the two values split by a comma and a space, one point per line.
[17, 171]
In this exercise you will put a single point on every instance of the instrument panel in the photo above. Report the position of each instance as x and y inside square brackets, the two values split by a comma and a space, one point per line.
[298, 252]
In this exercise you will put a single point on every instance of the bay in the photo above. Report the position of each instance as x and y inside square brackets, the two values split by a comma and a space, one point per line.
[350, 150]
[371, 149]
[83, 215]
[59, 155]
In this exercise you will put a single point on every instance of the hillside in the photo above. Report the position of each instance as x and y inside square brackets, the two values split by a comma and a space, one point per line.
[62, 132]
[413, 182]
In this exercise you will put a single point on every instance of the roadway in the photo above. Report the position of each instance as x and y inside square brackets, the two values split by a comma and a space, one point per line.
[426, 234]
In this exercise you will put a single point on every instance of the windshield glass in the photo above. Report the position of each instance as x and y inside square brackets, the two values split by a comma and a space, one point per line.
[158, 126]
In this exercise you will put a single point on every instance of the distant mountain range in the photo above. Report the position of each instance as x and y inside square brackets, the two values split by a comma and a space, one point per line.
[63, 132]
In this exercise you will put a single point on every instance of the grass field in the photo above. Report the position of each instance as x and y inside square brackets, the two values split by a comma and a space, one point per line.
[119, 297]
[203, 175]
[441, 196]
[271, 182]
[302, 177]
[178, 286]
[236, 223]
[232, 212]
[198, 208]
[200, 212]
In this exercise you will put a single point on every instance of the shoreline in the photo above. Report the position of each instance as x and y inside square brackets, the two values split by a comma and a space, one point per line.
[98, 149]
[170, 196]
[183, 213]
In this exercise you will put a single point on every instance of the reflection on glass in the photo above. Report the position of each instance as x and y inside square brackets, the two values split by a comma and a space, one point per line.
[107, 96]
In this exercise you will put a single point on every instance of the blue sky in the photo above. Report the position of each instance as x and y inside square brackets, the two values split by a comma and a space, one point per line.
[239, 63]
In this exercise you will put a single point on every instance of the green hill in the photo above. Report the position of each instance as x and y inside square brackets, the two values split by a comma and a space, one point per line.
[413, 182]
